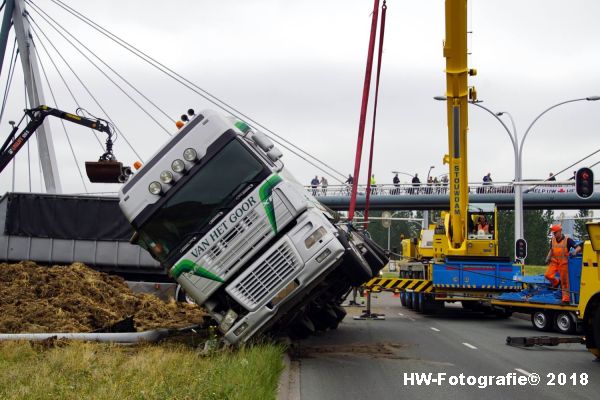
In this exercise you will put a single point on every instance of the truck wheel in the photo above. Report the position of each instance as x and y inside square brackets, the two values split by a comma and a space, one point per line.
[419, 302]
[323, 318]
[339, 311]
[563, 322]
[355, 266]
[302, 328]
[429, 304]
[403, 299]
[409, 300]
[542, 320]
[596, 333]
[182, 297]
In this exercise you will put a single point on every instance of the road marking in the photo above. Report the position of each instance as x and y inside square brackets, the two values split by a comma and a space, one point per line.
[434, 329]
[523, 371]
[470, 346]
[400, 314]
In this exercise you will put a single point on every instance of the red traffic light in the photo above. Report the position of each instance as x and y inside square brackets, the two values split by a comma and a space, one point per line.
[584, 183]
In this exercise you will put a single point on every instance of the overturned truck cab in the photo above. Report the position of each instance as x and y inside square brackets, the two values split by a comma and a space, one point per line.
[217, 208]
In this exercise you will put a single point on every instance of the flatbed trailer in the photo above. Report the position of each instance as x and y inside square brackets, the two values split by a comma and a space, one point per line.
[543, 303]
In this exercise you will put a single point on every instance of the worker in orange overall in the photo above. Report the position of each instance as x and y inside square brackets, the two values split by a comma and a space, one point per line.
[558, 260]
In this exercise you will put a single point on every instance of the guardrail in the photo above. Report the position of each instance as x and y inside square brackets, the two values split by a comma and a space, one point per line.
[409, 189]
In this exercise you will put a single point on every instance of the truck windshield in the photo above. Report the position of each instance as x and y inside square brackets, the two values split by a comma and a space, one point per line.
[212, 189]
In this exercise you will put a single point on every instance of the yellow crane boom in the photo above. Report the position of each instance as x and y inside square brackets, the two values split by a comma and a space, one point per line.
[457, 95]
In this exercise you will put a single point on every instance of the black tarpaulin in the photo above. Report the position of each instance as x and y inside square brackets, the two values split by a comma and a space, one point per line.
[66, 217]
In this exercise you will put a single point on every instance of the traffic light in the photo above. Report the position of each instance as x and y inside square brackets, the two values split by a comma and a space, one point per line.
[584, 183]
[521, 249]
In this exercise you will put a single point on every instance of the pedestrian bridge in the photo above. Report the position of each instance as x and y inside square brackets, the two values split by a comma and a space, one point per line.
[430, 197]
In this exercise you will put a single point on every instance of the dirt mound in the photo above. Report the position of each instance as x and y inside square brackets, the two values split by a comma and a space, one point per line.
[76, 298]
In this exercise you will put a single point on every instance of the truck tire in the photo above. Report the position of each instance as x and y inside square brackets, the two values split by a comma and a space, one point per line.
[430, 306]
[409, 300]
[182, 296]
[419, 302]
[564, 323]
[302, 327]
[355, 266]
[403, 299]
[596, 332]
[542, 320]
[323, 317]
[339, 311]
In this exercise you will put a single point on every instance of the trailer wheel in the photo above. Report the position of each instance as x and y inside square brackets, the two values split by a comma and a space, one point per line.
[542, 320]
[563, 322]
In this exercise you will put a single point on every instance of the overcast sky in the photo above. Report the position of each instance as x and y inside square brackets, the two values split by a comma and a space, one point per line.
[297, 67]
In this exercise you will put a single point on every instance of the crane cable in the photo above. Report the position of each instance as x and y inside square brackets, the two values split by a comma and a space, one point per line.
[363, 110]
[379, 58]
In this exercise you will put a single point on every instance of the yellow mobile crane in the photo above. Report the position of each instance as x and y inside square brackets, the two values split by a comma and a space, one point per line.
[456, 260]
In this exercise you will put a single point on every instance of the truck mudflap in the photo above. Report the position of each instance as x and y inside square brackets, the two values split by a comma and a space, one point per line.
[397, 285]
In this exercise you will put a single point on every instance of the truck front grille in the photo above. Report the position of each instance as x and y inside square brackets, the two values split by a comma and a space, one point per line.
[266, 278]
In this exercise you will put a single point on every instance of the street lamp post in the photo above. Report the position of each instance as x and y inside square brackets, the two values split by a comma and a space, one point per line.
[518, 152]
[519, 161]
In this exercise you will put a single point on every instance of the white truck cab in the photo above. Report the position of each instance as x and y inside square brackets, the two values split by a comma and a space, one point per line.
[217, 208]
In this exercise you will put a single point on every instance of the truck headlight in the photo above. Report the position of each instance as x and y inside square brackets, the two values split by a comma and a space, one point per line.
[178, 166]
[190, 154]
[155, 188]
[166, 177]
[228, 320]
[315, 237]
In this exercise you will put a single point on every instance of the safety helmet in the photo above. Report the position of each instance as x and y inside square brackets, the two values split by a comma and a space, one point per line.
[556, 228]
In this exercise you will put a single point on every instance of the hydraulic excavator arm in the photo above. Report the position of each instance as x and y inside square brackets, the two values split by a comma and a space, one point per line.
[106, 170]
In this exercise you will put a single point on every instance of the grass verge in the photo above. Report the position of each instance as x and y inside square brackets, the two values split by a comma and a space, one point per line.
[166, 371]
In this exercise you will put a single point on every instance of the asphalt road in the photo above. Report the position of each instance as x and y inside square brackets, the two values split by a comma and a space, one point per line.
[381, 359]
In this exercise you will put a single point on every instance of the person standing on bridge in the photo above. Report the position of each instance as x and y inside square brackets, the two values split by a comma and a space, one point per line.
[373, 185]
[558, 260]
[349, 183]
[396, 181]
[416, 182]
[314, 184]
[324, 185]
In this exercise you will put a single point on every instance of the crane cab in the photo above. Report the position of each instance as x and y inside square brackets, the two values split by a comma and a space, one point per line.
[482, 236]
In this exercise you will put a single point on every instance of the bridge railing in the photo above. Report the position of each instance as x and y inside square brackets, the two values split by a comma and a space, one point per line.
[409, 189]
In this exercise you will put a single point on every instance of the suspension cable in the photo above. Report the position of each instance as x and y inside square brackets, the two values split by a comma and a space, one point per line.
[39, 40]
[11, 70]
[198, 90]
[42, 14]
[88, 91]
[113, 71]
[77, 165]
